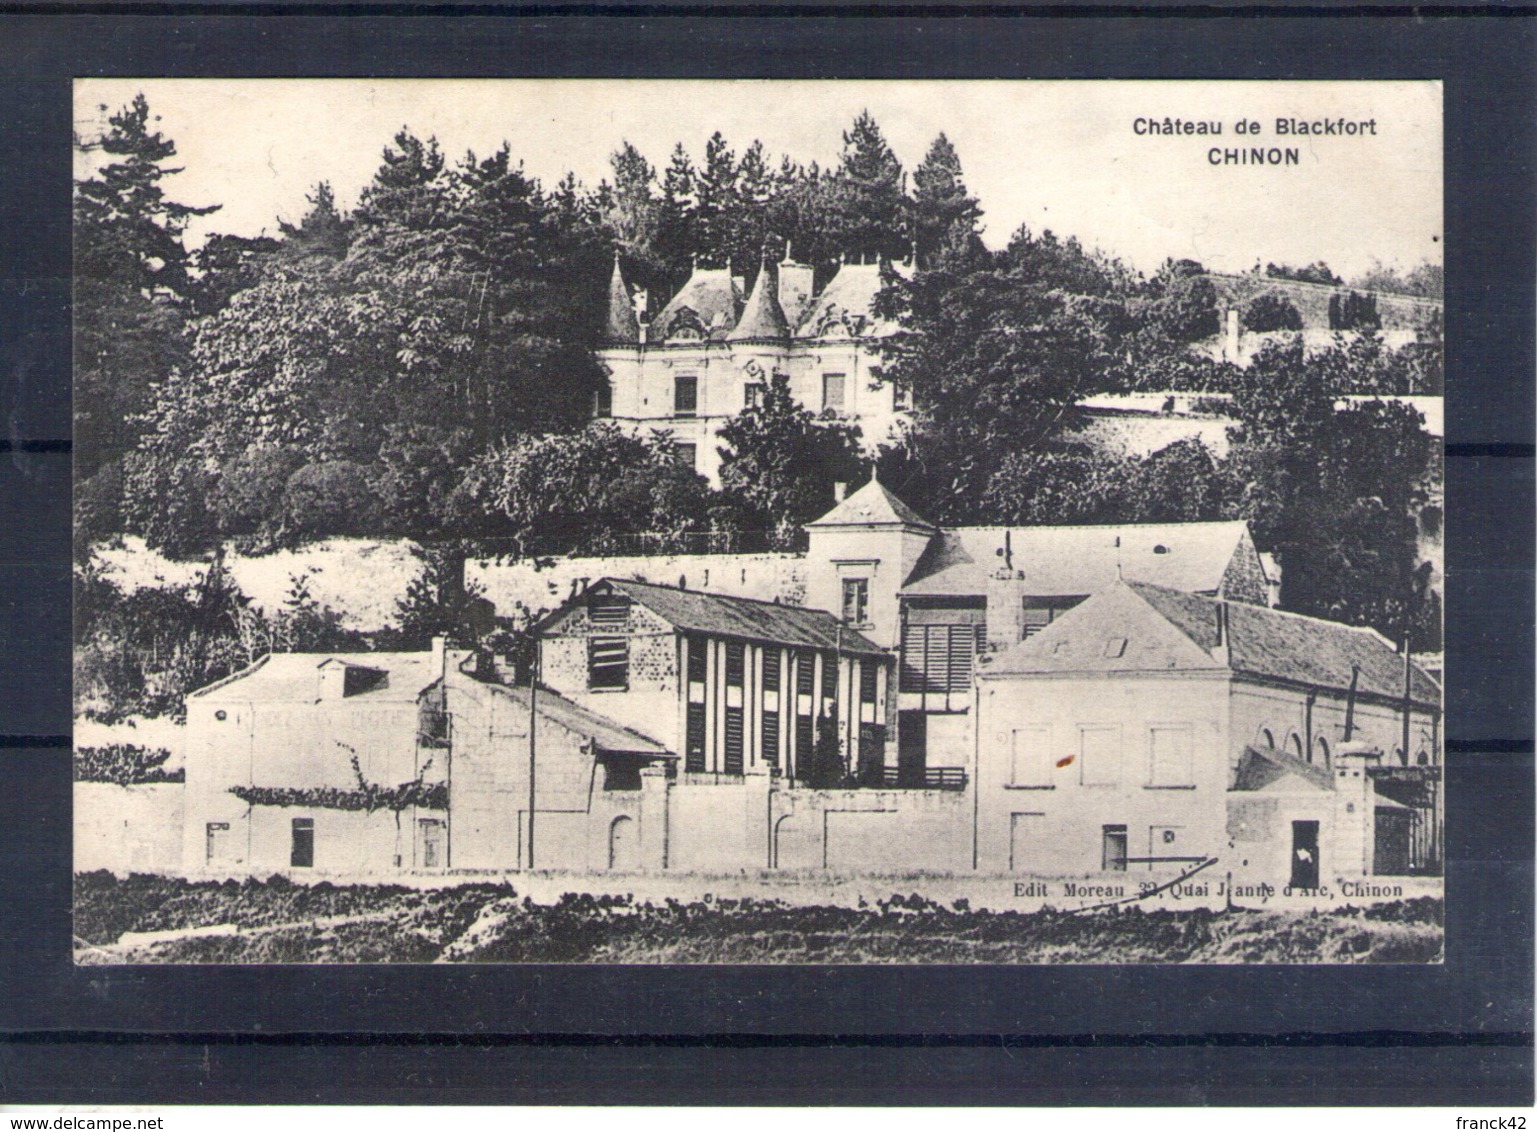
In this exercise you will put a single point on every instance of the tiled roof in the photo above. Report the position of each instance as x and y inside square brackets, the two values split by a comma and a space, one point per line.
[846, 306]
[1288, 646]
[1075, 561]
[710, 296]
[1114, 631]
[762, 317]
[871, 504]
[294, 677]
[603, 732]
[695, 612]
[620, 324]
[1258, 767]
[1166, 629]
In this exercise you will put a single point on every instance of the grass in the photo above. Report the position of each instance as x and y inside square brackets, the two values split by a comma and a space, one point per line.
[277, 921]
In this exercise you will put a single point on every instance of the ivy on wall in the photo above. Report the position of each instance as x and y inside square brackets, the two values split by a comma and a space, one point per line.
[368, 797]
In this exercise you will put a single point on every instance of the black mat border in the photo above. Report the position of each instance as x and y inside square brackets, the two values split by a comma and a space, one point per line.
[1457, 1034]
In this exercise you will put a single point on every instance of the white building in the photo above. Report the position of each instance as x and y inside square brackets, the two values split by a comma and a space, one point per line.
[711, 350]
[1149, 730]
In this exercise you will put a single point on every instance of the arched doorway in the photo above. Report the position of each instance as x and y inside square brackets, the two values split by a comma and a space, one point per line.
[623, 844]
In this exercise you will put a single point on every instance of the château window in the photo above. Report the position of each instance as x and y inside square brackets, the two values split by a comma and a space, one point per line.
[856, 600]
[752, 394]
[685, 396]
[832, 391]
[604, 400]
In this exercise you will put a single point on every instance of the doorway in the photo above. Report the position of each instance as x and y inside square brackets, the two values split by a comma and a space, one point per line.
[429, 843]
[623, 845]
[1304, 854]
[912, 748]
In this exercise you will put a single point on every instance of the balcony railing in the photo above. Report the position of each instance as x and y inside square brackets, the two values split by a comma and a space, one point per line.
[925, 778]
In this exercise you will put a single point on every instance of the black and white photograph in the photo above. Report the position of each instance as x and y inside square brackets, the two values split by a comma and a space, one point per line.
[758, 522]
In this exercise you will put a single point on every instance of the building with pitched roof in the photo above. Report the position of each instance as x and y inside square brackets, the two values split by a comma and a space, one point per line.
[713, 347]
[1150, 730]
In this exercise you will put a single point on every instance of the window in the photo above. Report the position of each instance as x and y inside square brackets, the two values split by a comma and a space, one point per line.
[1321, 751]
[769, 732]
[1169, 754]
[939, 658]
[685, 396]
[608, 662]
[604, 400]
[830, 679]
[752, 394]
[688, 456]
[608, 610]
[1113, 859]
[1115, 647]
[1030, 757]
[693, 742]
[734, 738]
[832, 391]
[1099, 755]
[856, 600]
[301, 855]
[1294, 746]
[217, 847]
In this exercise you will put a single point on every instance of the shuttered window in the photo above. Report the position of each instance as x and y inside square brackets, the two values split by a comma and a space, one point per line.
[769, 731]
[608, 611]
[940, 658]
[732, 763]
[693, 744]
[608, 662]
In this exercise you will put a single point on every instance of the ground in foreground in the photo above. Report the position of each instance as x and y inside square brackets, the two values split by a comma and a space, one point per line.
[151, 919]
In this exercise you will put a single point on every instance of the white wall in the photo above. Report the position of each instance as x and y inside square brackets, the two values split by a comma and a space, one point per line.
[1059, 830]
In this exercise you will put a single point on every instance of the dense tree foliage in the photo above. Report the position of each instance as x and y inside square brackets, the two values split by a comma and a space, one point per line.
[780, 462]
[424, 367]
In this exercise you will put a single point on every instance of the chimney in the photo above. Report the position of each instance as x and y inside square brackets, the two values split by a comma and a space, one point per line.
[840, 491]
[439, 657]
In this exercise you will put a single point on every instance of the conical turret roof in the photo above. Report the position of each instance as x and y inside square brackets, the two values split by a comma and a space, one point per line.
[762, 317]
[620, 324]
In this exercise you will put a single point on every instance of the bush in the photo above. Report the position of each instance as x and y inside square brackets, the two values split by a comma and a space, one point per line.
[124, 764]
[1271, 311]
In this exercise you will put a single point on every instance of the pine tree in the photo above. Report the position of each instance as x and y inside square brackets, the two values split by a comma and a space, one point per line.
[717, 196]
[868, 206]
[945, 215]
[126, 231]
[323, 230]
[677, 238]
[131, 277]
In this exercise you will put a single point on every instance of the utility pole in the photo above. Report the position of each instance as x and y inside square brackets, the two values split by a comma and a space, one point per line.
[533, 701]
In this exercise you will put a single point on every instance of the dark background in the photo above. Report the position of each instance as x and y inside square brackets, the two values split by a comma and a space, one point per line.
[1460, 1033]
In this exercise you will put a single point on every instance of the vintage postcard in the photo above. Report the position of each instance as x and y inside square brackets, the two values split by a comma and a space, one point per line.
[780, 522]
